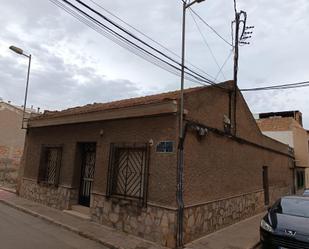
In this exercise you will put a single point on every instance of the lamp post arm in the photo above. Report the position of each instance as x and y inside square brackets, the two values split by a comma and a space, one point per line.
[190, 4]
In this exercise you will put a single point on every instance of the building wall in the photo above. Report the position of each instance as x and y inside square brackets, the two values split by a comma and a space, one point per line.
[130, 130]
[301, 146]
[155, 222]
[223, 176]
[11, 143]
[289, 130]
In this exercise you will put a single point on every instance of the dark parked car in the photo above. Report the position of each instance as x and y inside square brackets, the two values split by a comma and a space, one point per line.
[286, 225]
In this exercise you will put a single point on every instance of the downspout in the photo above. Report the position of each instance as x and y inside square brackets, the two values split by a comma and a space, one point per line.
[179, 193]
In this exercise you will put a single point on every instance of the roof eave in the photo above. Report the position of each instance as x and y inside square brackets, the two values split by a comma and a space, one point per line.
[166, 107]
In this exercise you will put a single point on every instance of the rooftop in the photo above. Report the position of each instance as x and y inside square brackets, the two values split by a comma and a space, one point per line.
[279, 121]
[139, 101]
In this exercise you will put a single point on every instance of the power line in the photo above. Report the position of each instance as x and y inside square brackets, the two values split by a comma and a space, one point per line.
[207, 44]
[224, 63]
[147, 36]
[136, 38]
[117, 40]
[130, 46]
[220, 36]
[278, 87]
[191, 76]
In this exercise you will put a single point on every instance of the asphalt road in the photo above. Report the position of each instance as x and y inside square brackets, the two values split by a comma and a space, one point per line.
[22, 231]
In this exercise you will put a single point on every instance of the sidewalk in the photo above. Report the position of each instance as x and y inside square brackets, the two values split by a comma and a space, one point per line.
[243, 235]
[105, 235]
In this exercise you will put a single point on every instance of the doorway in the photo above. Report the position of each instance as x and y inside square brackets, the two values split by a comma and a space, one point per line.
[266, 185]
[88, 157]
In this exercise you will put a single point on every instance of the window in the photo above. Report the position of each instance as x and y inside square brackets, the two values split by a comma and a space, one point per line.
[128, 171]
[165, 147]
[50, 165]
[300, 175]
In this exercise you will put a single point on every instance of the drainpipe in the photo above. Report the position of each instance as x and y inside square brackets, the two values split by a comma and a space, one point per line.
[179, 193]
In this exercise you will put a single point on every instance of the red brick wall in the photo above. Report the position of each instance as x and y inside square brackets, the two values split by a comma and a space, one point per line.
[218, 166]
[162, 168]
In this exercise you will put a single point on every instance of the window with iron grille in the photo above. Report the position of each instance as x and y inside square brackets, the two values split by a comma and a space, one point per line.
[128, 171]
[49, 169]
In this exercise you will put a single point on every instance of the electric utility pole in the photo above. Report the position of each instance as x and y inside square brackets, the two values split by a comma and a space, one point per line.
[241, 35]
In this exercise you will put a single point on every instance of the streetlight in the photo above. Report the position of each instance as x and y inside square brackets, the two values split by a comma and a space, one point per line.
[180, 166]
[21, 52]
[185, 7]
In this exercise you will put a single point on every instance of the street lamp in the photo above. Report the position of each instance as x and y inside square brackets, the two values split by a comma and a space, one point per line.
[21, 52]
[180, 163]
[185, 7]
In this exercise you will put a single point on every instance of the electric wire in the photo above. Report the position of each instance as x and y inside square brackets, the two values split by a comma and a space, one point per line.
[126, 39]
[121, 43]
[147, 36]
[191, 77]
[109, 36]
[224, 63]
[215, 31]
[136, 38]
[278, 87]
[207, 44]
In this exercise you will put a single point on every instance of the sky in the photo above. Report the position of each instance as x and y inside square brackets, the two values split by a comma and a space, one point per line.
[73, 65]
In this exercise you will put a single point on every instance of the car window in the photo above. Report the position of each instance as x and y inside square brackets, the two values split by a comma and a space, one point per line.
[295, 207]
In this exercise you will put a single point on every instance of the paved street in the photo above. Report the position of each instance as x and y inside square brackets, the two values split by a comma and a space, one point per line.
[20, 230]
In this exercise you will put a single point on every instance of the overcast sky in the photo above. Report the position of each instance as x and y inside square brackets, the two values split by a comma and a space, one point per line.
[73, 65]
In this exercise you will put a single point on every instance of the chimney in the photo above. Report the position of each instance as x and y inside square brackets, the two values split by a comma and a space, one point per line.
[38, 111]
[9, 101]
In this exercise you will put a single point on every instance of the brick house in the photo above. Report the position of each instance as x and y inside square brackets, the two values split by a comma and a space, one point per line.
[119, 160]
[287, 127]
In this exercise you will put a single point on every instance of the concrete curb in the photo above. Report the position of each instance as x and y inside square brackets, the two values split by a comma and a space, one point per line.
[65, 226]
[8, 189]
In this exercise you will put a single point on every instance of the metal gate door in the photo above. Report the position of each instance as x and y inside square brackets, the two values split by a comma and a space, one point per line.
[87, 172]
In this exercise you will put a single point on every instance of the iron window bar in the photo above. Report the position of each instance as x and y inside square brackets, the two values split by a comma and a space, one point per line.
[128, 171]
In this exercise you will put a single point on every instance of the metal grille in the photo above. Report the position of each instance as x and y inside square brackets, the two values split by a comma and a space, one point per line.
[52, 162]
[88, 166]
[50, 165]
[128, 171]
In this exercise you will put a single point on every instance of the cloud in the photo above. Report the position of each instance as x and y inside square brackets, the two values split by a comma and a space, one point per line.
[73, 65]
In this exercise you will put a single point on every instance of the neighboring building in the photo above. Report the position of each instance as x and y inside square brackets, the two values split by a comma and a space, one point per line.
[287, 127]
[119, 160]
[12, 139]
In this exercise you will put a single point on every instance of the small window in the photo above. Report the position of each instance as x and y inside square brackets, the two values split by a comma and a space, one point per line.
[165, 147]
[50, 165]
[128, 171]
[300, 175]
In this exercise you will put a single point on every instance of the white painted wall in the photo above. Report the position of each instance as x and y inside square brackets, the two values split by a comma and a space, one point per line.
[285, 137]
